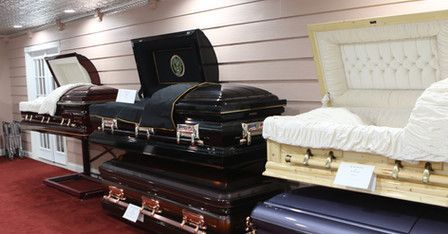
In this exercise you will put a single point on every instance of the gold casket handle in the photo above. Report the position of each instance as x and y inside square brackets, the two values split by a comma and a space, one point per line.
[307, 157]
[191, 222]
[427, 172]
[116, 194]
[298, 160]
[152, 205]
[250, 227]
[194, 220]
[329, 159]
[396, 169]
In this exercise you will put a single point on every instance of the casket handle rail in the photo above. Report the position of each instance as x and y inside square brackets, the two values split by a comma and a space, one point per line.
[250, 227]
[112, 124]
[152, 205]
[46, 121]
[192, 219]
[250, 130]
[147, 131]
[192, 223]
[190, 131]
[115, 194]
[413, 174]
[305, 161]
[28, 117]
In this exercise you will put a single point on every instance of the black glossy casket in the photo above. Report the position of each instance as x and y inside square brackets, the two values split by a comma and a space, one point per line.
[78, 78]
[326, 210]
[184, 199]
[182, 103]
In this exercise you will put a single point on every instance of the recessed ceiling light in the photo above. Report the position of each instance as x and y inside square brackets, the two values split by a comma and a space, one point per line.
[69, 11]
[17, 26]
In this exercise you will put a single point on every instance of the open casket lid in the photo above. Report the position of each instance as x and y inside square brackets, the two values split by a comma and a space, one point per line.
[381, 63]
[174, 58]
[72, 68]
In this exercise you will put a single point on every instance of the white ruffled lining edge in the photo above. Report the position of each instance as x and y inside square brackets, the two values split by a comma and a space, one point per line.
[422, 139]
[48, 104]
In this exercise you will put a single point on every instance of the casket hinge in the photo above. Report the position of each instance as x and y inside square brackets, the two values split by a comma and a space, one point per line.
[190, 131]
[427, 172]
[151, 205]
[396, 169]
[250, 227]
[250, 130]
[116, 194]
[329, 159]
[194, 220]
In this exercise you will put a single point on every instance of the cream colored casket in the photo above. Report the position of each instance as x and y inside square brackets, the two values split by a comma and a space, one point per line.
[385, 104]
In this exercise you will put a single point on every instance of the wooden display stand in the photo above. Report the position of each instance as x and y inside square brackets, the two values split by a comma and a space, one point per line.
[81, 185]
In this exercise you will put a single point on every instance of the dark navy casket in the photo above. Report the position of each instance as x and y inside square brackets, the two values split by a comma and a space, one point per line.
[66, 109]
[183, 106]
[326, 210]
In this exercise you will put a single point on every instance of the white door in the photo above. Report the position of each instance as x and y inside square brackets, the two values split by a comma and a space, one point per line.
[40, 83]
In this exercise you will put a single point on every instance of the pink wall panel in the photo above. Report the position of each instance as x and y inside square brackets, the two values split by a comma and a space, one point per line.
[258, 42]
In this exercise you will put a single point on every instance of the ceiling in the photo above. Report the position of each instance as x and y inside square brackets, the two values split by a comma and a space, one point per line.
[31, 14]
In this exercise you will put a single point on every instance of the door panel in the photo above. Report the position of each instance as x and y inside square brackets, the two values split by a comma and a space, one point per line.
[46, 146]
[60, 154]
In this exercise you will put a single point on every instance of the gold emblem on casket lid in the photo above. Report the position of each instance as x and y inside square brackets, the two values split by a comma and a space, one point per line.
[177, 65]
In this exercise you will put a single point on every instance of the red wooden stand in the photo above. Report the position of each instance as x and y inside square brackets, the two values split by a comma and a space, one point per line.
[81, 185]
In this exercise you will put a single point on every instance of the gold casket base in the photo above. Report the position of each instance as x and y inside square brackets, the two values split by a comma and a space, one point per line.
[424, 182]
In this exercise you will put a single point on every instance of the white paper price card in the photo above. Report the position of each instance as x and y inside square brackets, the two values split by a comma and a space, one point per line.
[356, 175]
[126, 96]
[132, 213]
